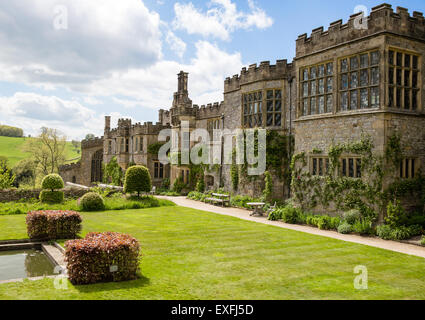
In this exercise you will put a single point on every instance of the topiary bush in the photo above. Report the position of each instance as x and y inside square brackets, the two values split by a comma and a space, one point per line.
[137, 179]
[102, 257]
[345, 228]
[92, 201]
[51, 197]
[52, 225]
[52, 182]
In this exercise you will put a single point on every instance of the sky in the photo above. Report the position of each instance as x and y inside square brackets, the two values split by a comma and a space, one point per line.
[65, 64]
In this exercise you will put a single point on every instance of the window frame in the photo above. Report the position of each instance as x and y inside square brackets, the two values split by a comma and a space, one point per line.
[409, 165]
[394, 86]
[317, 95]
[325, 165]
[359, 88]
[356, 169]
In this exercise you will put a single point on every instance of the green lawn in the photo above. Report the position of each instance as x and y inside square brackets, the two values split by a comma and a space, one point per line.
[12, 149]
[190, 254]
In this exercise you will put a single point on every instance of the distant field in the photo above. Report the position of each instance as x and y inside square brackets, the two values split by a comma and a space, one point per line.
[12, 149]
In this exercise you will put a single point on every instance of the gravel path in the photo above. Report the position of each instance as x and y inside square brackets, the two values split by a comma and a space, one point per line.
[406, 248]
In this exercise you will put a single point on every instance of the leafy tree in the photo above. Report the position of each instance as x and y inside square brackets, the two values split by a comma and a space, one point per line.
[112, 173]
[137, 179]
[8, 131]
[6, 176]
[48, 150]
[76, 145]
[90, 136]
[25, 172]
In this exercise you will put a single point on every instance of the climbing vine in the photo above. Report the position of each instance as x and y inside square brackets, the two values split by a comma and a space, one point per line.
[334, 191]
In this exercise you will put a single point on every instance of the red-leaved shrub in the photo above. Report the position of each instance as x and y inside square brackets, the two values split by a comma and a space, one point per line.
[102, 257]
[51, 225]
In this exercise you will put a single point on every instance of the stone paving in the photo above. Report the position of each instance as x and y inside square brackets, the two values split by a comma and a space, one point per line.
[406, 248]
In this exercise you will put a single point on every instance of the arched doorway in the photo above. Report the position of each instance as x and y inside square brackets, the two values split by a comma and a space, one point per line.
[96, 166]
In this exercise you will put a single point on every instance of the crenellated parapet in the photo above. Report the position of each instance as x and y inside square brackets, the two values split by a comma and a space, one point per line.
[68, 167]
[92, 143]
[148, 128]
[264, 72]
[210, 110]
[381, 19]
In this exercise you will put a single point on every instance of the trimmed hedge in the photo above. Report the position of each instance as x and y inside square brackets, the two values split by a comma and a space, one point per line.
[102, 257]
[47, 196]
[52, 225]
[137, 179]
[92, 201]
[52, 182]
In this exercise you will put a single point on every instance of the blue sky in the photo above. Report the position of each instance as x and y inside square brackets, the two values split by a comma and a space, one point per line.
[68, 63]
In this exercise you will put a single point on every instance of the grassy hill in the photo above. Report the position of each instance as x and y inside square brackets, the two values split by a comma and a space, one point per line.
[11, 148]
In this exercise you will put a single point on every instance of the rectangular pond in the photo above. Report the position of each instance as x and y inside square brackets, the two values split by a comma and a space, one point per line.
[26, 263]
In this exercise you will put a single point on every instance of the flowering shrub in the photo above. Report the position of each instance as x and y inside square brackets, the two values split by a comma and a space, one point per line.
[53, 224]
[102, 257]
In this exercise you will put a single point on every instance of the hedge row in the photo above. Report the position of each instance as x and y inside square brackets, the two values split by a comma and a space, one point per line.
[53, 224]
[102, 257]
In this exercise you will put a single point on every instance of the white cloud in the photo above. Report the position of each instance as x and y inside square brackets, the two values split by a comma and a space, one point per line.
[220, 20]
[176, 44]
[92, 101]
[153, 87]
[101, 37]
[31, 111]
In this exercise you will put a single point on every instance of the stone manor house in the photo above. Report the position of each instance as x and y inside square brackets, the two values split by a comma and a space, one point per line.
[344, 82]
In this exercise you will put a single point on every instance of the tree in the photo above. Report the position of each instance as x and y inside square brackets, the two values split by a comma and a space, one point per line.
[25, 172]
[137, 179]
[268, 189]
[48, 150]
[6, 176]
[90, 136]
[112, 173]
[8, 131]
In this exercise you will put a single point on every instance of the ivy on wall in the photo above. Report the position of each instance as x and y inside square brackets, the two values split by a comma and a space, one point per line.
[344, 193]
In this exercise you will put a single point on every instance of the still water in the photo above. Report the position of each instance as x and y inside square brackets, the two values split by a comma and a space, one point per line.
[24, 264]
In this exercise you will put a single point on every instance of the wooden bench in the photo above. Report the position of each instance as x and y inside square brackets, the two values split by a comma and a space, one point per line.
[219, 198]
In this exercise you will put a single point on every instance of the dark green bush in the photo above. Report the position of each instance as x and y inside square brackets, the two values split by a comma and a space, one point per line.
[415, 230]
[178, 185]
[345, 228]
[352, 216]
[290, 215]
[52, 182]
[401, 233]
[324, 223]
[334, 223]
[137, 179]
[384, 232]
[364, 227]
[200, 186]
[92, 201]
[396, 215]
[275, 215]
[51, 196]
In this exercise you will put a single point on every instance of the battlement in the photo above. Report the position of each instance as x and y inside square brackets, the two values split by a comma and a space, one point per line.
[124, 123]
[210, 110]
[382, 18]
[92, 143]
[264, 72]
[71, 166]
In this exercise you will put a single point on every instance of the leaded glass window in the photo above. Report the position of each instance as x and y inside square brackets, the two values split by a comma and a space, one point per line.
[359, 81]
[317, 89]
[403, 74]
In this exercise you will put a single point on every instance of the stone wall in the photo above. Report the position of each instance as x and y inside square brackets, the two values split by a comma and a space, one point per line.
[19, 194]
